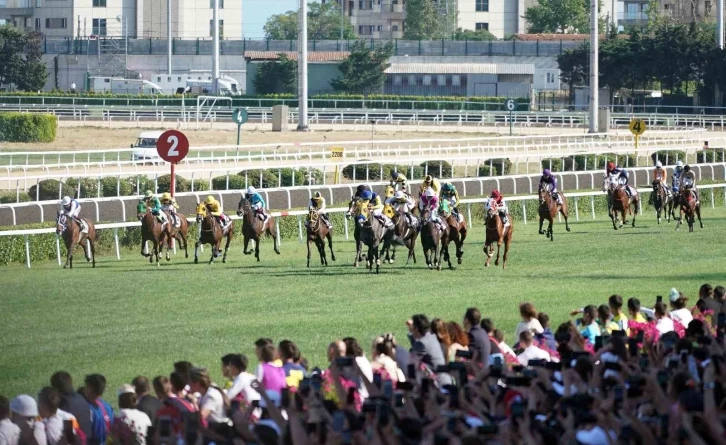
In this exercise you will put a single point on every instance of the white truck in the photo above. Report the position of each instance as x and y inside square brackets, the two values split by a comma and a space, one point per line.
[196, 83]
[118, 85]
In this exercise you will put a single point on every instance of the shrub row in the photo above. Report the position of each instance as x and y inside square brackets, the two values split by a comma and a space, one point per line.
[587, 162]
[439, 169]
[27, 127]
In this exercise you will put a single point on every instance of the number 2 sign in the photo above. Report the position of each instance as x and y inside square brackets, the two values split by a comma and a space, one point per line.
[172, 146]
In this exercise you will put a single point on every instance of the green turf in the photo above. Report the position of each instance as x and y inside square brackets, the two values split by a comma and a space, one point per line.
[128, 317]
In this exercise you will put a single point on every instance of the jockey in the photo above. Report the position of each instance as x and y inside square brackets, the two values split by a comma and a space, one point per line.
[169, 205]
[430, 181]
[360, 189]
[620, 173]
[660, 179]
[376, 207]
[398, 181]
[215, 208]
[688, 181]
[72, 209]
[676, 179]
[317, 203]
[450, 195]
[154, 204]
[498, 199]
[430, 201]
[403, 202]
[548, 178]
[258, 204]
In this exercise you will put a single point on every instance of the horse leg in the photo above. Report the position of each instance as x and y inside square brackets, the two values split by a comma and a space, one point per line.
[230, 236]
[182, 238]
[564, 215]
[698, 213]
[499, 246]
[257, 249]
[156, 251]
[196, 252]
[215, 251]
[634, 212]
[69, 257]
[506, 254]
[550, 234]
[246, 243]
[320, 243]
[92, 248]
[308, 245]
[680, 219]
[541, 221]
[329, 236]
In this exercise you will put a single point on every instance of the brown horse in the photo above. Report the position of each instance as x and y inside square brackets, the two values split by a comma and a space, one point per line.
[318, 232]
[548, 209]
[152, 230]
[435, 242]
[662, 201]
[72, 237]
[253, 228]
[497, 233]
[180, 233]
[457, 234]
[619, 202]
[689, 206]
[210, 232]
[406, 232]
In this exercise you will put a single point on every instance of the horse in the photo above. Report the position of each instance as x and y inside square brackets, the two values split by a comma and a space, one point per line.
[318, 232]
[434, 241]
[253, 228]
[180, 233]
[406, 232]
[689, 206]
[210, 232]
[662, 201]
[355, 209]
[497, 233]
[619, 202]
[548, 209]
[372, 234]
[72, 237]
[152, 230]
[457, 234]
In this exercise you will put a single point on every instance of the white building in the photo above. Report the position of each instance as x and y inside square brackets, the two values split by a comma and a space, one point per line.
[191, 19]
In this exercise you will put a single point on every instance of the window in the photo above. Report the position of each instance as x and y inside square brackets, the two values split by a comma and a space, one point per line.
[394, 28]
[99, 3]
[427, 79]
[221, 28]
[37, 3]
[397, 80]
[3, 4]
[412, 80]
[482, 5]
[379, 28]
[441, 80]
[365, 4]
[482, 26]
[455, 80]
[211, 4]
[56, 23]
[99, 27]
[550, 78]
[365, 30]
[37, 24]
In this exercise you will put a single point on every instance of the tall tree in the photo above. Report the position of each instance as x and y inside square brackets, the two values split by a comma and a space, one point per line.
[276, 76]
[573, 64]
[35, 72]
[561, 16]
[423, 20]
[323, 24]
[468, 34]
[363, 72]
[12, 46]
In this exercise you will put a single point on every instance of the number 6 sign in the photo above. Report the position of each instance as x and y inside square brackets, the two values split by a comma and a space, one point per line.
[172, 146]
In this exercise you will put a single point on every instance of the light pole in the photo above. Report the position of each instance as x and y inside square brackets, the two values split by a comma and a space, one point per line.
[168, 37]
[594, 73]
[122, 19]
[342, 21]
[302, 66]
[215, 48]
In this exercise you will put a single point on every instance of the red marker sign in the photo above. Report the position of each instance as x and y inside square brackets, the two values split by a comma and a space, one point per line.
[172, 146]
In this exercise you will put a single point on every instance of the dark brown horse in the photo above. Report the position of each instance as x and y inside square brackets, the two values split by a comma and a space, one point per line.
[457, 234]
[374, 235]
[497, 233]
[357, 208]
[406, 232]
[180, 233]
[435, 241]
[690, 207]
[619, 202]
[152, 230]
[548, 209]
[318, 232]
[210, 232]
[253, 228]
[662, 201]
[72, 237]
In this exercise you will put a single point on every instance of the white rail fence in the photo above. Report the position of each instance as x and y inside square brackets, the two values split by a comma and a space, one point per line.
[300, 213]
[593, 181]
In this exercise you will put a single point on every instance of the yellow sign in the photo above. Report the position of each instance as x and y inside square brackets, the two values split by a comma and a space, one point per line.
[336, 153]
[637, 127]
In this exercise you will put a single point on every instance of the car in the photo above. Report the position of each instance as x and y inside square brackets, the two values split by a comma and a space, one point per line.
[146, 147]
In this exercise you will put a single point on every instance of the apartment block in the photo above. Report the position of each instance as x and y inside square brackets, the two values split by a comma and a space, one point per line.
[376, 19]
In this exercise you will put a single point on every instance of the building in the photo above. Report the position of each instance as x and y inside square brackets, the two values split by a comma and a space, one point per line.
[322, 68]
[634, 13]
[191, 19]
[500, 17]
[376, 19]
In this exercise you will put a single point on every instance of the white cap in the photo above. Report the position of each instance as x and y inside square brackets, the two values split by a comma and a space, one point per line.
[24, 405]
[674, 295]
[399, 195]
[430, 192]
[659, 164]
[679, 164]
[66, 200]
[251, 190]
[126, 389]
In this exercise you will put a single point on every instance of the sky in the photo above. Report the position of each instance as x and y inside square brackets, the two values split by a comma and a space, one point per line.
[256, 12]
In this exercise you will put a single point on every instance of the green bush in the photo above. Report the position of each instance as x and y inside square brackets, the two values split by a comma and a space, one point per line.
[110, 187]
[27, 127]
[313, 173]
[88, 187]
[236, 182]
[669, 157]
[623, 160]
[374, 172]
[714, 155]
[485, 170]
[434, 166]
[556, 164]
[48, 190]
[11, 197]
[182, 184]
[269, 179]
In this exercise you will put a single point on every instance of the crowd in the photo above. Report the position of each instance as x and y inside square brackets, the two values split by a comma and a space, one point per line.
[618, 373]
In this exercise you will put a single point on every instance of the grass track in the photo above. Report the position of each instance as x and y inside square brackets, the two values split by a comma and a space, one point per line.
[128, 317]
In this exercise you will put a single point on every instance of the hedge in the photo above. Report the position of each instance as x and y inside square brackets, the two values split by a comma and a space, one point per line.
[27, 127]
[713, 155]
[10, 197]
[374, 171]
[669, 157]
[47, 190]
[587, 162]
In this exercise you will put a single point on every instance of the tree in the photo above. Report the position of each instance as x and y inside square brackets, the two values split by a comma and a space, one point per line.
[20, 59]
[573, 65]
[276, 76]
[363, 72]
[561, 16]
[323, 24]
[35, 72]
[424, 20]
[468, 34]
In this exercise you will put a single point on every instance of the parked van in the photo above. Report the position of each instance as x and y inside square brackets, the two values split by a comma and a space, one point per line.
[145, 147]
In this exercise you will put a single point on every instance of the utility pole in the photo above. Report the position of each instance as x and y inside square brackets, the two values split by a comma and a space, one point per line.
[594, 72]
[168, 37]
[342, 21]
[302, 66]
[215, 48]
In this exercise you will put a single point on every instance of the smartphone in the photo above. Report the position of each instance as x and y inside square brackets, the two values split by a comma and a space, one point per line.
[495, 371]
[659, 299]
[662, 378]
[164, 427]
[612, 366]
[464, 354]
[411, 371]
[517, 410]
[600, 341]
[398, 400]
[633, 346]
[619, 393]
[405, 386]
[388, 389]
[517, 381]
[425, 384]
[441, 369]
[552, 366]
[673, 363]
[316, 382]
[305, 385]
[285, 398]
[69, 433]
[488, 430]
[618, 333]
[377, 380]
[537, 363]
[640, 336]
[338, 421]
[344, 362]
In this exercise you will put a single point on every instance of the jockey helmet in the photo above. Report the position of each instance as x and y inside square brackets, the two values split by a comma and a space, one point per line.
[251, 190]
[546, 172]
[210, 199]
[679, 164]
[611, 165]
[658, 164]
[366, 195]
[430, 192]
[687, 168]
[166, 196]
[496, 194]
[394, 175]
[66, 201]
[361, 218]
[428, 179]
[317, 195]
[148, 194]
[361, 188]
[399, 195]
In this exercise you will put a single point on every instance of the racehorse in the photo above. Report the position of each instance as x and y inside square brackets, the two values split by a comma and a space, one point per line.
[497, 233]
[318, 232]
[372, 234]
[406, 233]
[548, 209]
[619, 202]
[355, 209]
[72, 237]
[180, 233]
[457, 234]
[210, 232]
[253, 228]
[435, 241]
[152, 230]
[689, 206]
[662, 201]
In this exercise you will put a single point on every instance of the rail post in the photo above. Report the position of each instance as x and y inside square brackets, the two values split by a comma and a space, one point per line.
[299, 228]
[468, 214]
[27, 252]
[577, 210]
[592, 206]
[57, 249]
[524, 213]
[277, 228]
[115, 242]
[345, 223]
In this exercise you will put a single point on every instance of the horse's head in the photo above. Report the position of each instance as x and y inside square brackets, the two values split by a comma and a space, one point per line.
[390, 191]
[610, 183]
[60, 223]
[351, 208]
[243, 206]
[544, 189]
[201, 211]
[141, 210]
